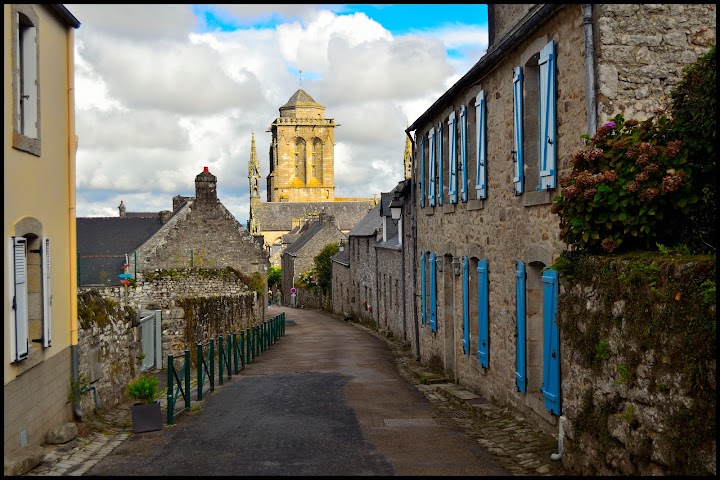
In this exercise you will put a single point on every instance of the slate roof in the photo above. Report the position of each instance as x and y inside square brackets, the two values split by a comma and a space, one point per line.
[369, 225]
[102, 243]
[299, 97]
[313, 228]
[342, 257]
[277, 216]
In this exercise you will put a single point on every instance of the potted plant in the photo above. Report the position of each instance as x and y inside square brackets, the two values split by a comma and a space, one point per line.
[146, 415]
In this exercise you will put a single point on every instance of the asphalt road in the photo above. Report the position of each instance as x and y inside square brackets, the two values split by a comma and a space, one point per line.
[326, 399]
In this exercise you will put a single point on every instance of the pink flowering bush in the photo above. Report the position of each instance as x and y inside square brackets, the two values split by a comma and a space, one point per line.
[627, 190]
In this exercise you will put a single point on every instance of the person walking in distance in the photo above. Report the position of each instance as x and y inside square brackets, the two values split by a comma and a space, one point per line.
[270, 297]
[278, 297]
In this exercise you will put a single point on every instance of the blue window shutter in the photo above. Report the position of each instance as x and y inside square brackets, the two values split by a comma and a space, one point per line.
[47, 293]
[518, 124]
[422, 171]
[551, 343]
[483, 328]
[466, 305]
[548, 127]
[440, 163]
[20, 302]
[431, 168]
[452, 143]
[423, 290]
[433, 292]
[481, 149]
[520, 376]
[463, 154]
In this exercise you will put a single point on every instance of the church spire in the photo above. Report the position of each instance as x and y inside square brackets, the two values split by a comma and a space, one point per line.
[254, 171]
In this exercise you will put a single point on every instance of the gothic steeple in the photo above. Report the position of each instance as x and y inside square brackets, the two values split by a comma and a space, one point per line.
[408, 158]
[254, 172]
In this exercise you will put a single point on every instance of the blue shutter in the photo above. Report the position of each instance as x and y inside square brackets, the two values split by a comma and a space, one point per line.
[518, 123]
[422, 288]
[463, 153]
[551, 343]
[520, 376]
[433, 292]
[548, 125]
[483, 330]
[20, 300]
[422, 171]
[47, 294]
[481, 149]
[466, 305]
[440, 163]
[452, 142]
[431, 168]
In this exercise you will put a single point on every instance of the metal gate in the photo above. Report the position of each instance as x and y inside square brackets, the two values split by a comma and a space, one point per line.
[151, 339]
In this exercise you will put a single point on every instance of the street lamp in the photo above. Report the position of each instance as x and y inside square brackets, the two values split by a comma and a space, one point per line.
[342, 245]
[456, 266]
[396, 208]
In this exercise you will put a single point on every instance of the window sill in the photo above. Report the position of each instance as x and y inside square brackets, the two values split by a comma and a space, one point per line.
[428, 210]
[26, 144]
[449, 208]
[538, 197]
[475, 205]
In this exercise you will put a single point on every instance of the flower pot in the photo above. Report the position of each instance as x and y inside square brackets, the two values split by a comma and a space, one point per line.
[146, 417]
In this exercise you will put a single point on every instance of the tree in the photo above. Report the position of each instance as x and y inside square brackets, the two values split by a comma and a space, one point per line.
[274, 276]
[323, 266]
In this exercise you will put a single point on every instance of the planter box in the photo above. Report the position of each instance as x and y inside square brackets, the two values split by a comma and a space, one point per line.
[146, 417]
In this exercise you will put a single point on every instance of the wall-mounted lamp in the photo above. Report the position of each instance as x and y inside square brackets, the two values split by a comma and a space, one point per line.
[439, 263]
[342, 245]
[396, 209]
[456, 266]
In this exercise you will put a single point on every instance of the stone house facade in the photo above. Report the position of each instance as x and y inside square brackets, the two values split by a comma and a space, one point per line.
[486, 159]
[300, 255]
[201, 233]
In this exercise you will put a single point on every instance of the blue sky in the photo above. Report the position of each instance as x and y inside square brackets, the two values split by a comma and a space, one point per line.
[165, 90]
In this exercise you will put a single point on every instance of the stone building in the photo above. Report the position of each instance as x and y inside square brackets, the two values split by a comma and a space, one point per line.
[300, 255]
[301, 182]
[201, 233]
[487, 155]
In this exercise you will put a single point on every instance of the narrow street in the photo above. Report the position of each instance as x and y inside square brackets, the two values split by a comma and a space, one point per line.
[327, 399]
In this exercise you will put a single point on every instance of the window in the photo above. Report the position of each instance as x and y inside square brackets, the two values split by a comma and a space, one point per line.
[440, 166]
[431, 169]
[422, 171]
[518, 133]
[26, 106]
[481, 153]
[452, 141]
[300, 159]
[463, 154]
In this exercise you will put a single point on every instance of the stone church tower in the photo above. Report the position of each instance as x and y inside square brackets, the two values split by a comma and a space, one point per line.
[254, 177]
[302, 153]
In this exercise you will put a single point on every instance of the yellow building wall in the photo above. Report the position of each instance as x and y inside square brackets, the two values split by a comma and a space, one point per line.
[41, 187]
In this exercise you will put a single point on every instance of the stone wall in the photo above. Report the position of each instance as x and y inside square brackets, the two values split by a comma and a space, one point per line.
[389, 301]
[341, 289]
[363, 274]
[110, 346]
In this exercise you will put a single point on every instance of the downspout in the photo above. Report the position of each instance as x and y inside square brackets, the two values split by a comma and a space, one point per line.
[561, 436]
[402, 274]
[73, 282]
[377, 284]
[590, 102]
[413, 231]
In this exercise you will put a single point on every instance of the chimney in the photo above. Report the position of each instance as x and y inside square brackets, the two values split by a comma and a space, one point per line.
[165, 216]
[206, 186]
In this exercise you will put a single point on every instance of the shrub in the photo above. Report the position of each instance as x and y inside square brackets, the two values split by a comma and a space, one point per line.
[143, 389]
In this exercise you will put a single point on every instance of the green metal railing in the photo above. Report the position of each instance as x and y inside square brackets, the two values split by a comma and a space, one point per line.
[237, 350]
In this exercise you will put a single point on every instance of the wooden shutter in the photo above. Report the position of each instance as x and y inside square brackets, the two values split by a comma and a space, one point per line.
[551, 343]
[431, 173]
[548, 127]
[440, 166]
[433, 292]
[518, 130]
[483, 330]
[452, 143]
[20, 299]
[422, 171]
[46, 294]
[481, 149]
[463, 154]
[466, 304]
[423, 289]
[520, 376]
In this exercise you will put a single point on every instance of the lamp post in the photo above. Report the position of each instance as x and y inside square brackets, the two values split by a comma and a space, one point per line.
[342, 245]
[396, 208]
[456, 266]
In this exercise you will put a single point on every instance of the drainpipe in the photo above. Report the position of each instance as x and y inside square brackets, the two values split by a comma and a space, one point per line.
[72, 254]
[561, 436]
[590, 102]
[402, 274]
[413, 231]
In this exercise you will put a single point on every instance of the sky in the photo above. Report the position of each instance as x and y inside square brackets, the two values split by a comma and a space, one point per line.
[162, 91]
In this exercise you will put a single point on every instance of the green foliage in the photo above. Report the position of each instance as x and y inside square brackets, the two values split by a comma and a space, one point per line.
[624, 374]
[679, 249]
[694, 111]
[323, 266]
[307, 278]
[642, 182]
[143, 389]
[274, 277]
[707, 292]
[601, 350]
[76, 386]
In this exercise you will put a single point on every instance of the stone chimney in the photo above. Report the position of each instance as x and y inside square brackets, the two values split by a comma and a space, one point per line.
[206, 186]
[121, 207]
[165, 216]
